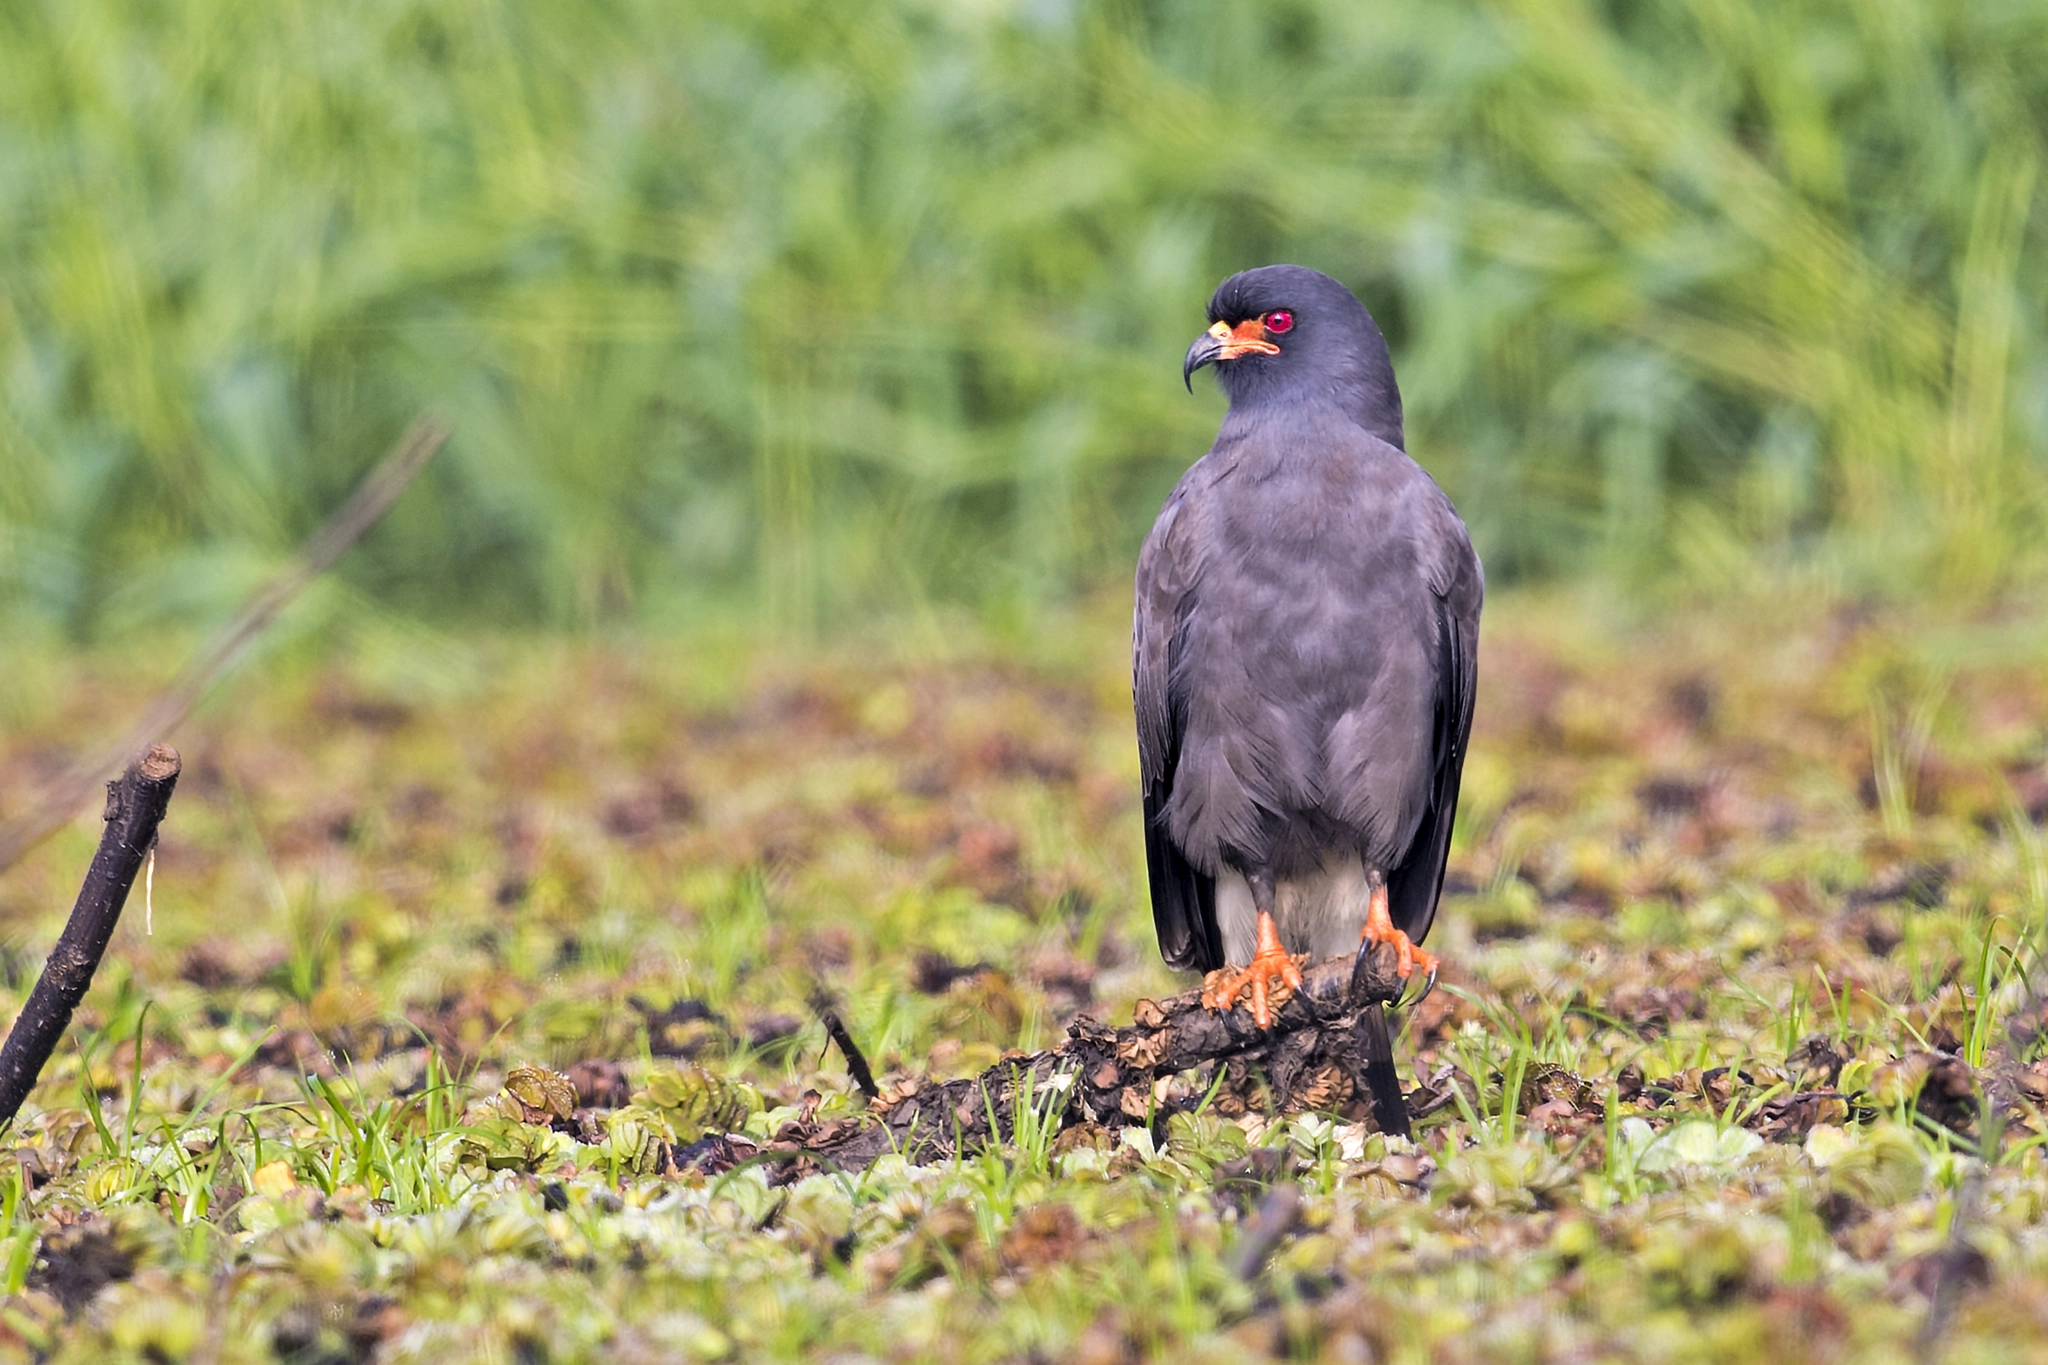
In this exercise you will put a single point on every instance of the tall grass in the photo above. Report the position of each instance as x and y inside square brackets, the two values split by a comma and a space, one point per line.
[810, 308]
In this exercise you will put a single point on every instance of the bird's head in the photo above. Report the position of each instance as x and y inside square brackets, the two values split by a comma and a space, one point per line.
[1291, 334]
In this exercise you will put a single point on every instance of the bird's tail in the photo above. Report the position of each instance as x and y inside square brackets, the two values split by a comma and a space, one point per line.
[1375, 1046]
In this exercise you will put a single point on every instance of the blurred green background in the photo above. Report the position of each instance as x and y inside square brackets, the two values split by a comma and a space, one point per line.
[798, 313]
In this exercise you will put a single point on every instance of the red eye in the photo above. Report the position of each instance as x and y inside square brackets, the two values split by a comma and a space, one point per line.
[1278, 321]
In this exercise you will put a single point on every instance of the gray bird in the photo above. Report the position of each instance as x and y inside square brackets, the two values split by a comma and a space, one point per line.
[1305, 653]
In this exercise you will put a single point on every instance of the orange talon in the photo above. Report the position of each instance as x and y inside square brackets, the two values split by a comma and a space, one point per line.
[1379, 928]
[1271, 973]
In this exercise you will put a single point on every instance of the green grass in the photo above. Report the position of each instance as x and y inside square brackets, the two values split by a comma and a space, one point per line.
[1705, 1080]
[801, 311]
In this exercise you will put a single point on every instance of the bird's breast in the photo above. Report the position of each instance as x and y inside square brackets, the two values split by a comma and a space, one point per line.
[1307, 672]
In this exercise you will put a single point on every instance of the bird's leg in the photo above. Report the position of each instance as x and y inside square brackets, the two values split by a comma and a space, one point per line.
[1379, 928]
[1271, 975]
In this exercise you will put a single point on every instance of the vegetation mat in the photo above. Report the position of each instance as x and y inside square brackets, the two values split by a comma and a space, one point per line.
[471, 993]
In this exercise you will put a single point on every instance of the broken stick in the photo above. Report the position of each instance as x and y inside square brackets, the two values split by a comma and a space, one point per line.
[1107, 1076]
[856, 1060]
[135, 807]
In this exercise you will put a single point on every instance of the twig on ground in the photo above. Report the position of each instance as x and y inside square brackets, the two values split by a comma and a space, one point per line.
[856, 1061]
[1953, 1267]
[373, 497]
[135, 807]
[1108, 1076]
[1279, 1213]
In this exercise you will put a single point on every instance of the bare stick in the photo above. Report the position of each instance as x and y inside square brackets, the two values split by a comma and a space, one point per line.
[1106, 1076]
[856, 1062]
[365, 507]
[1278, 1215]
[135, 807]
[1953, 1266]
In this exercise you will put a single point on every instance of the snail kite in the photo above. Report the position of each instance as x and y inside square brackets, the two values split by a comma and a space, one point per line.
[1305, 652]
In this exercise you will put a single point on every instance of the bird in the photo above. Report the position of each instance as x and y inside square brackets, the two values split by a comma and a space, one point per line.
[1304, 656]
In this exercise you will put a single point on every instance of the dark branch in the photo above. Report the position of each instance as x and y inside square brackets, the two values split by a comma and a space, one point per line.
[1106, 1076]
[1279, 1214]
[856, 1061]
[1956, 1266]
[135, 807]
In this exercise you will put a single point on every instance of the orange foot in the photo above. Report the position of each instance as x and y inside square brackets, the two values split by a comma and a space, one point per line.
[1272, 977]
[1379, 929]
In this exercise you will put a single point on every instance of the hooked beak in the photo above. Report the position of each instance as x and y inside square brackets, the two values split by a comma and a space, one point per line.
[1224, 342]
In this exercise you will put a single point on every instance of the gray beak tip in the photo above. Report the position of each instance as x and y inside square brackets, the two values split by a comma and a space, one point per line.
[1204, 352]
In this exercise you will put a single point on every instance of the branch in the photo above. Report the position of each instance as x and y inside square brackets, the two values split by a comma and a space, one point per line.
[856, 1060]
[135, 807]
[1106, 1076]
[365, 508]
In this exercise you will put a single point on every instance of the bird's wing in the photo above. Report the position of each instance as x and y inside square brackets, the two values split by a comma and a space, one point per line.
[1183, 896]
[1413, 887]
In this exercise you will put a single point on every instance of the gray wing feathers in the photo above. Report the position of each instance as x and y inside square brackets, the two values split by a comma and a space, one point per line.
[1183, 897]
[1414, 886]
